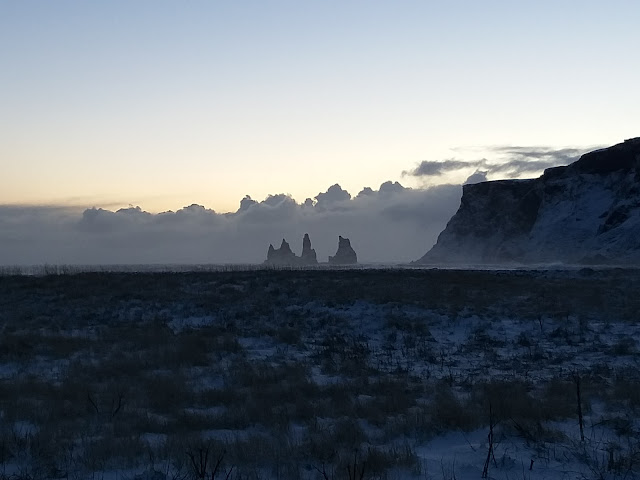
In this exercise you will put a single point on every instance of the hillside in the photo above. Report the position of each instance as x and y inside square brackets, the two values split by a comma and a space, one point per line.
[587, 212]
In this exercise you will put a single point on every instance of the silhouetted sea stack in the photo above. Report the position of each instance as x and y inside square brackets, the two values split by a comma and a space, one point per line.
[284, 255]
[280, 256]
[345, 255]
[308, 256]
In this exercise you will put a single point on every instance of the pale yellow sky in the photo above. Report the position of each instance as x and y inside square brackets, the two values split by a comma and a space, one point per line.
[166, 107]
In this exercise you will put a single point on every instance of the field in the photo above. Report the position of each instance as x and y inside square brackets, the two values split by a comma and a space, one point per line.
[320, 374]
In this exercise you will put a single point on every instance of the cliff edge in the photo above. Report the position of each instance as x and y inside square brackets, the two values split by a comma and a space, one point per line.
[584, 213]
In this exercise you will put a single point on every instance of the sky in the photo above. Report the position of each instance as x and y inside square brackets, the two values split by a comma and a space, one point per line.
[161, 105]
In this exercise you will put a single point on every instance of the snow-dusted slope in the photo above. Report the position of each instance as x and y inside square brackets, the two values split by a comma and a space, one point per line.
[587, 212]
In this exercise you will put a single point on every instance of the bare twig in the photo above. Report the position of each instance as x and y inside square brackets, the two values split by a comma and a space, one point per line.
[580, 421]
[201, 462]
[485, 470]
[93, 404]
[118, 406]
[353, 473]
[322, 472]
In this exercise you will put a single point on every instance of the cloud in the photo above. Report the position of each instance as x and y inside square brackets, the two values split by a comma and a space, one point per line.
[510, 161]
[390, 224]
[335, 194]
[476, 177]
[521, 160]
[433, 168]
[391, 187]
[365, 192]
[246, 203]
[557, 155]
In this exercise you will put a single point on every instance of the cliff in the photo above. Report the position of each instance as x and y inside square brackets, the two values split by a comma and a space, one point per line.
[587, 212]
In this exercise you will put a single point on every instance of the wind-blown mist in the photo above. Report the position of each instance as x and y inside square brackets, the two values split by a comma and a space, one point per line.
[392, 224]
[511, 162]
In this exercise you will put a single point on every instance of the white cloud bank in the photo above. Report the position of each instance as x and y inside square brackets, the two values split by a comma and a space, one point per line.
[391, 224]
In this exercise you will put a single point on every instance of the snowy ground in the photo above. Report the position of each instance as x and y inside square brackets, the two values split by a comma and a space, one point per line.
[301, 374]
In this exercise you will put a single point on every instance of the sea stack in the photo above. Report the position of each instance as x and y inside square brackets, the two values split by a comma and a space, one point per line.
[285, 257]
[345, 255]
[280, 256]
[308, 256]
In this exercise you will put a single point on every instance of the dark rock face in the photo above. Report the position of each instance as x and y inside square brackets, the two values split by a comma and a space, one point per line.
[623, 156]
[574, 214]
[284, 255]
[308, 256]
[345, 255]
[280, 256]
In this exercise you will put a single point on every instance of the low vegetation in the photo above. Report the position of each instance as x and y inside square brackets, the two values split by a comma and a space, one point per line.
[318, 374]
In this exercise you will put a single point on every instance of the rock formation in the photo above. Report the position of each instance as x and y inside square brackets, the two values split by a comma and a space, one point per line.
[280, 256]
[345, 254]
[284, 255]
[587, 212]
[308, 256]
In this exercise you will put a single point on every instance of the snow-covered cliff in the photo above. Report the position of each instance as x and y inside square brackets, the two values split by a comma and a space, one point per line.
[587, 212]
